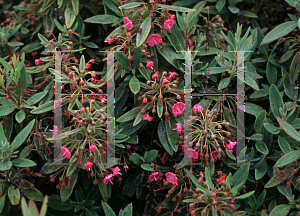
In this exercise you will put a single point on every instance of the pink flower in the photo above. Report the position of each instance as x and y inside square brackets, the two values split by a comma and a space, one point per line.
[116, 171]
[37, 62]
[230, 151]
[54, 131]
[128, 23]
[110, 41]
[72, 85]
[190, 43]
[164, 158]
[169, 24]
[93, 148]
[145, 100]
[179, 128]
[171, 178]
[154, 176]
[191, 153]
[154, 39]
[165, 81]
[197, 107]
[172, 16]
[65, 58]
[65, 152]
[214, 154]
[88, 165]
[155, 76]
[149, 64]
[231, 145]
[147, 117]
[87, 66]
[231, 200]
[172, 75]
[178, 109]
[108, 178]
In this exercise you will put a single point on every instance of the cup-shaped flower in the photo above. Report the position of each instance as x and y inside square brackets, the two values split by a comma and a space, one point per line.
[154, 176]
[88, 165]
[65, 152]
[154, 39]
[178, 109]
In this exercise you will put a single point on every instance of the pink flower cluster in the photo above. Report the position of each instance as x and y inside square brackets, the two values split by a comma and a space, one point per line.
[110, 177]
[171, 178]
[197, 107]
[154, 39]
[154, 176]
[230, 146]
[178, 109]
[172, 75]
[147, 117]
[128, 23]
[169, 24]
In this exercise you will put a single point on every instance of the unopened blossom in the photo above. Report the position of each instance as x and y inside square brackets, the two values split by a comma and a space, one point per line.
[223, 177]
[147, 117]
[110, 41]
[145, 100]
[172, 16]
[165, 81]
[116, 171]
[164, 158]
[190, 43]
[231, 200]
[155, 76]
[178, 109]
[65, 152]
[191, 153]
[54, 131]
[72, 85]
[108, 178]
[88, 165]
[197, 107]
[92, 148]
[179, 128]
[171, 178]
[154, 176]
[149, 64]
[168, 24]
[128, 23]
[214, 154]
[65, 58]
[154, 39]
[37, 62]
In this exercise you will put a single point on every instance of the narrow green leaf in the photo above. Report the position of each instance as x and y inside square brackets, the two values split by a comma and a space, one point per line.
[280, 210]
[75, 4]
[7, 109]
[271, 128]
[22, 136]
[23, 162]
[261, 170]
[70, 17]
[134, 85]
[284, 145]
[107, 209]
[287, 159]
[208, 178]
[137, 58]
[279, 31]
[262, 147]
[20, 116]
[160, 107]
[224, 83]
[37, 97]
[122, 60]
[146, 27]
[244, 196]
[161, 131]
[102, 19]
[276, 100]
[288, 129]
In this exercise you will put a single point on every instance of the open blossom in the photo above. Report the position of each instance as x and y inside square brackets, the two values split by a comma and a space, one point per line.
[87, 66]
[168, 24]
[128, 23]
[190, 42]
[88, 165]
[37, 62]
[191, 153]
[54, 131]
[149, 64]
[108, 178]
[154, 39]
[179, 128]
[171, 178]
[164, 158]
[110, 41]
[197, 107]
[65, 152]
[172, 75]
[214, 155]
[147, 117]
[92, 148]
[231, 145]
[178, 109]
[116, 171]
[145, 100]
[165, 81]
[154, 176]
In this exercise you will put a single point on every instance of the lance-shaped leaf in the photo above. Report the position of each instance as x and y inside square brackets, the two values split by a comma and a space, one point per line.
[287, 159]
[146, 27]
[288, 129]
[275, 100]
